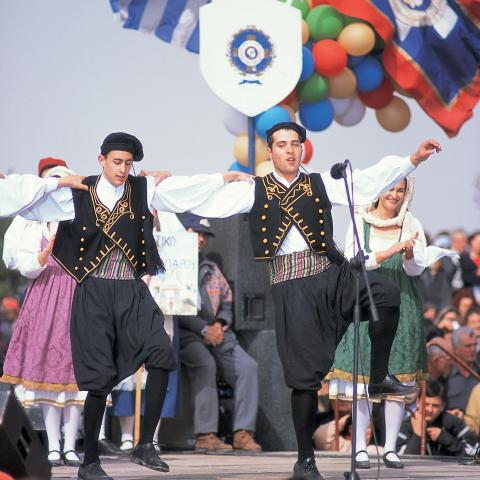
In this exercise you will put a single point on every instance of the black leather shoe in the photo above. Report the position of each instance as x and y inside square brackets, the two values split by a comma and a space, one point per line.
[92, 471]
[306, 470]
[392, 463]
[71, 463]
[106, 447]
[362, 464]
[390, 386]
[145, 454]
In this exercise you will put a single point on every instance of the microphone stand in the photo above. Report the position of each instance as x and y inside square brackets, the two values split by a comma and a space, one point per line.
[358, 267]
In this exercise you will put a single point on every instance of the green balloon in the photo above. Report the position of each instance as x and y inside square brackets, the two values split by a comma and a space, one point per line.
[302, 5]
[312, 90]
[324, 22]
[347, 20]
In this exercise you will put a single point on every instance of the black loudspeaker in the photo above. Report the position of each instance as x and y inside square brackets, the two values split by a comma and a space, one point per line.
[232, 251]
[21, 452]
[254, 322]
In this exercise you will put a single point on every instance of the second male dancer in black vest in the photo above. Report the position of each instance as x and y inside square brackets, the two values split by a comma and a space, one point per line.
[312, 284]
[107, 246]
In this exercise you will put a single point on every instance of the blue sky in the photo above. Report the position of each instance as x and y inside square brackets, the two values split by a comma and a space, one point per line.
[71, 75]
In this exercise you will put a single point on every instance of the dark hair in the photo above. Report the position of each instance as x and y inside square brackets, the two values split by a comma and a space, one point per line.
[473, 235]
[462, 293]
[435, 389]
[473, 309]
[270, 136]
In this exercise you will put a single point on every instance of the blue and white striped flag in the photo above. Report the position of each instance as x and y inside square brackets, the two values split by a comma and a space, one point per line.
[173, 21]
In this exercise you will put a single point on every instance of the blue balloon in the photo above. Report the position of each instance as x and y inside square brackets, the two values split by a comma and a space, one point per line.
[354, 61]
[369, 74]
[238, 167]
[316, 116]
[308, 64]
[269, 118]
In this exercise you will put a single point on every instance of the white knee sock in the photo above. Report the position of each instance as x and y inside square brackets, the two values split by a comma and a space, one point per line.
[126, 425]
[52, 416]
[393, 421]
[363, 420]
[71, 421]
[101, 435]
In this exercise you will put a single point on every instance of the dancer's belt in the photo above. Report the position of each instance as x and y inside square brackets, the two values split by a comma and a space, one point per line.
[297, 265]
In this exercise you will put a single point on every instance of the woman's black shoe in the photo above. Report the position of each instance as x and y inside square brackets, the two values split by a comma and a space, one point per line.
[392, 463]
[146, 455]
[362, 464]
[71, 463]
[390, 386]
[92, 471]
[56, 463]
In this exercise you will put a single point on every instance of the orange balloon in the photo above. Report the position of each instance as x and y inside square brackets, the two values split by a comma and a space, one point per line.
[305, 32]
[357, 39]
[5, 476]
[264, 168]
[240, 150]
[395, 116]
[290, 110]
[342, 85]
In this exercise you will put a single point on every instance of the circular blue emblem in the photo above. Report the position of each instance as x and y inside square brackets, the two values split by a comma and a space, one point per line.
[251, 51]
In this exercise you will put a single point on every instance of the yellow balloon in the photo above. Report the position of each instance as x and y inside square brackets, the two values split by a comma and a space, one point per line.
[357, 39]
[305, 32]
[264, 168]
[240, 150]
[395, 116]
[342, 85]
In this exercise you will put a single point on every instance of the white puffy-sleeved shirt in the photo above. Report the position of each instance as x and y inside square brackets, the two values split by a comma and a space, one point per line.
[239, 197]
[20, 192]
[381, 240]
[174, 194]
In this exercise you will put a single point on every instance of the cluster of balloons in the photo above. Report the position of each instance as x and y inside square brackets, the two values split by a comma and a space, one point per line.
[342, 75]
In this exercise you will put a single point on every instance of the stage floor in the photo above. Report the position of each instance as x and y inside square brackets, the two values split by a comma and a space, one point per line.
[272, 466]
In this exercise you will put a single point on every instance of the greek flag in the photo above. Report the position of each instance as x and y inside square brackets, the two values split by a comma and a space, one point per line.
[173, 21]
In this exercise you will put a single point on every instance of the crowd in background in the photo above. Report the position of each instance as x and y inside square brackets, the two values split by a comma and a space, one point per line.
[451, 294]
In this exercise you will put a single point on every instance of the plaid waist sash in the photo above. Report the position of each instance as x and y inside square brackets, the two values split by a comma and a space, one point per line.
[297, 265]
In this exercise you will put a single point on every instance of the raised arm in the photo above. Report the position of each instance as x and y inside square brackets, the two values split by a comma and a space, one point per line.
[198, 193]
[371, 182]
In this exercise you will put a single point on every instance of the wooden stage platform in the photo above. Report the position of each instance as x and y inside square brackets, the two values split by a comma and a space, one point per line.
[273, 466]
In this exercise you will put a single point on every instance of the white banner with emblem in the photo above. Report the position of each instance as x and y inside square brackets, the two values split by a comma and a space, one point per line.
[176, 290]
[250, 52]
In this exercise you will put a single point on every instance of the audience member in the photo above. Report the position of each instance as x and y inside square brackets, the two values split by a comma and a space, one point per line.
[436, 283]
[458, 244]
[207, 342]
[463, 300]
[439, 362]
[460, 382]
[448, 320]
[446, 434]
[470, 261]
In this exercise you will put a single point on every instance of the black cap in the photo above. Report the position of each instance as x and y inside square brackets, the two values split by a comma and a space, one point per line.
[124, 142]
[196, 223]
[302, 133]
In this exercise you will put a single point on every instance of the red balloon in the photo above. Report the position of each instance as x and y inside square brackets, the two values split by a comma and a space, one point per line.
[380, 97]
[330, 57]
[5, 476]
[292, 96]
[307, 151]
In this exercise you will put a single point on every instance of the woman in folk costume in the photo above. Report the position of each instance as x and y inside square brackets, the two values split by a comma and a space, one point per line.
[395, 243]
[39, 357]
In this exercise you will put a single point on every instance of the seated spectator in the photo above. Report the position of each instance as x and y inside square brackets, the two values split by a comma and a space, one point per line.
[436, 283]
[472, 414]
[448, 320]
[472, 320]
[446, 434]
[460, 382]
[470, 262]
[208, 343]
[439, 363]
[463, 300]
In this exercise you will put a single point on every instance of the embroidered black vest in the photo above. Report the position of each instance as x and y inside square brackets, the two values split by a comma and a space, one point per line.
[82, 244]
[277, 208]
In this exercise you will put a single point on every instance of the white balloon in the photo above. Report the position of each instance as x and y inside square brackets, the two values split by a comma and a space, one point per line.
[235, 122]
[353, 114]
[264, 168]
[341, 105]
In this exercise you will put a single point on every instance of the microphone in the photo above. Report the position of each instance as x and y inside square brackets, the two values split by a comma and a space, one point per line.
[337, 170]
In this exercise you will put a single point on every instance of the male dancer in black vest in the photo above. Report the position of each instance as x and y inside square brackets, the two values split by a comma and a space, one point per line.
[312, 284]
[107, 245]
